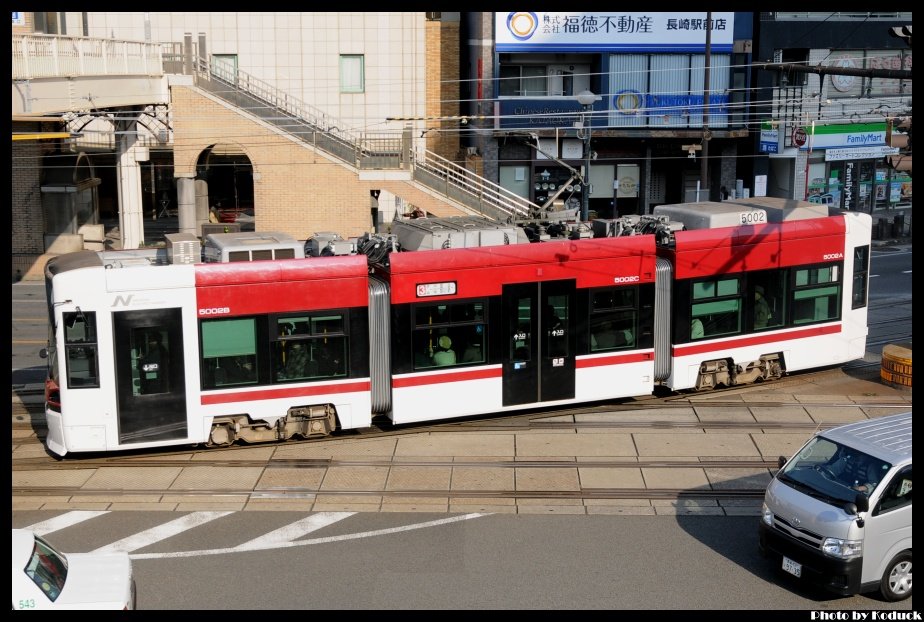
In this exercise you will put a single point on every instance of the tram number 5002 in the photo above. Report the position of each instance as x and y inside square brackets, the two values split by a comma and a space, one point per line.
[752, 218]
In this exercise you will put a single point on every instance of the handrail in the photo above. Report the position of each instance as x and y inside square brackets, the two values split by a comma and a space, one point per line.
[361, 149]
[491, 199]
[56, 56]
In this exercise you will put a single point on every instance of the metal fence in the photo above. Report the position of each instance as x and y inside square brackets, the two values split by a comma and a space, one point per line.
[54, 56]
[363, 150]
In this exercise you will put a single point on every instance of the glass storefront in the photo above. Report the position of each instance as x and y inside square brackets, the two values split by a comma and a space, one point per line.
[865, 185]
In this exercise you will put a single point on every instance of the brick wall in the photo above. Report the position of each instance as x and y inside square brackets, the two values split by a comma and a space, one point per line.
[296, 190]
[26, 218]
[442, 88]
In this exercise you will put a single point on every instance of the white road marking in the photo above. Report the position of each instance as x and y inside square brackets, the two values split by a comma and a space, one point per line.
[293, 531]
[279, 545]
[65, 520]
[161, 532]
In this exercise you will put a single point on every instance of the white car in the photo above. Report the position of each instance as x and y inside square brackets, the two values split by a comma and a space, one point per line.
[45, 578]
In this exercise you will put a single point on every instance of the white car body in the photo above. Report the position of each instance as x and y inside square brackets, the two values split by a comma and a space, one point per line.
[45, 578]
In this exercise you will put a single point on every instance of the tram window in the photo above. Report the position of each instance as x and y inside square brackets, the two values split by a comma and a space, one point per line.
[449, 334]
[520, 346]
[816, 304]
[716, 309]
[817, 295]
[310, 347]
[150, 361]
[612, 330]
[81, 350]
[613, 298]
[816, 276]
[860, 276]
[556, 323]
[767, 298]
[613, 317]
[229, 352]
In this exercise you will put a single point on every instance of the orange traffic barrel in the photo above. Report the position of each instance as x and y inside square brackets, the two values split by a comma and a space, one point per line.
[896, 365]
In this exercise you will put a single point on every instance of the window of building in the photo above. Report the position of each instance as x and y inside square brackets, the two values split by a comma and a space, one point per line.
[529, 79]
[352, 73]
[666, 90]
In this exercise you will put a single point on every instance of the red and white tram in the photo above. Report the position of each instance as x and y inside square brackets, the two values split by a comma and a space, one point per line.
[154, 347]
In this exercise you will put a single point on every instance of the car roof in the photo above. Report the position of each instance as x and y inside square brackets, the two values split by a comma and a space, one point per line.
[23, 543]
[887, 438]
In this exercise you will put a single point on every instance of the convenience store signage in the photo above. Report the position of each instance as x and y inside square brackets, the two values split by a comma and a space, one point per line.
[852, 135]
[859, 153]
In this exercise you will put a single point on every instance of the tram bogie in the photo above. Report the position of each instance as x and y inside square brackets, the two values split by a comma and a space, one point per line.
[304, 422]
[147, 352]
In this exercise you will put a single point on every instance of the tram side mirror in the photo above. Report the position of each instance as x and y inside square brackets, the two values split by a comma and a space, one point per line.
[43, 353]
[781, 461]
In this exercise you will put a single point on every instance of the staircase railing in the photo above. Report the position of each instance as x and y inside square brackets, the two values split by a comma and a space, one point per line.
[363, 150]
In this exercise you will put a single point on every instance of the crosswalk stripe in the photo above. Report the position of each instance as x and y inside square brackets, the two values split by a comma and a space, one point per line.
[161, 532]
[65, 520]
[294, 530]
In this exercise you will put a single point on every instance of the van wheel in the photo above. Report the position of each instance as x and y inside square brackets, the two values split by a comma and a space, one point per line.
[896, 582]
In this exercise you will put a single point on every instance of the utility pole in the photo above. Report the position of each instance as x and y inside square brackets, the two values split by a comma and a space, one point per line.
[704, 161]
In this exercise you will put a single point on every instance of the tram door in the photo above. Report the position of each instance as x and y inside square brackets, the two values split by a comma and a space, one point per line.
[149, 375]
[539, 328]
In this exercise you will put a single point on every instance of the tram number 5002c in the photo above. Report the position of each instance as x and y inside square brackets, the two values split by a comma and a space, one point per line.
[752, 218]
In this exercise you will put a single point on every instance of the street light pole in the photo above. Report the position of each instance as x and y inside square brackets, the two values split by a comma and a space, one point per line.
[586, 99]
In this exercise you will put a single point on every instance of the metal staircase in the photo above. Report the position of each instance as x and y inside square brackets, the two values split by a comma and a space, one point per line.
[361, 150]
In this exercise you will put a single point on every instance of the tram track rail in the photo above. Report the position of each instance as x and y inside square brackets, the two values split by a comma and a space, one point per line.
[640, 494]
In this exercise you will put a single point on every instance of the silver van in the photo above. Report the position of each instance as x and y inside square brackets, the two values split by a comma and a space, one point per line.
[838, 513]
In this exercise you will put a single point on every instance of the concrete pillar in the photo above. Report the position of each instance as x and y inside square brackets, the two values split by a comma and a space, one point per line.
[186, 202]
[406, 145]
[202, 201]
[128, 179]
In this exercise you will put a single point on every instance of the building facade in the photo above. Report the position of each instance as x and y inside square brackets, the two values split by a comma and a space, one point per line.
[647, 127]
[827, 137]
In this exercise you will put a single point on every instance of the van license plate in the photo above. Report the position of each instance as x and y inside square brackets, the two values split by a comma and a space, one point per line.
[793, 568]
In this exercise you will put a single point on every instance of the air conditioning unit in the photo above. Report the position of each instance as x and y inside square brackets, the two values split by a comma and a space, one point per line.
[218, 227]
[183, 248]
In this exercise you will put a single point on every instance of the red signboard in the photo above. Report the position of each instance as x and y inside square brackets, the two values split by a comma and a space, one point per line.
[799, 136]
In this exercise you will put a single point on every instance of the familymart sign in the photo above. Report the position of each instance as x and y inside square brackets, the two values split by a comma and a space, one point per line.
[841, 136]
